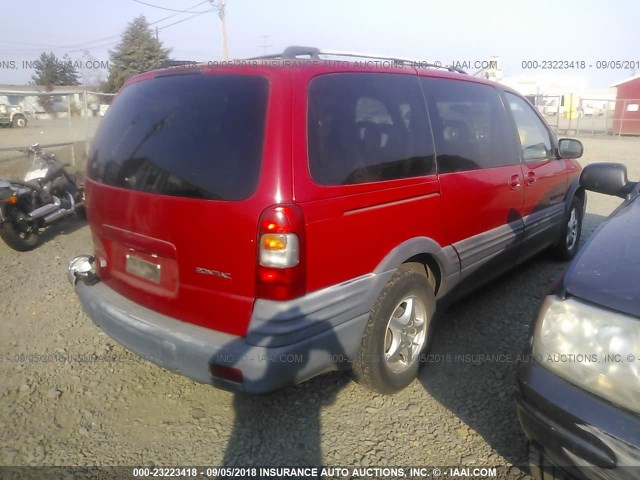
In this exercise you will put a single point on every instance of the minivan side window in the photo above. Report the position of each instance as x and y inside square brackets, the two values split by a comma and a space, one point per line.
[470, 125]
[534, 136]
[367, 127]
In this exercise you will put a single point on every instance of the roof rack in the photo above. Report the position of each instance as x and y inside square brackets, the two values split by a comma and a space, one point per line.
[314, 53]
[177, 63]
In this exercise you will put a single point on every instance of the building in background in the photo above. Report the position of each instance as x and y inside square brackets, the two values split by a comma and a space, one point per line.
[563, 96]
[626, 117]
[65, 101]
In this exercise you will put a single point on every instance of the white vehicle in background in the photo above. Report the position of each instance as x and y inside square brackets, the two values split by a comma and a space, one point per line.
[551, 107]
[592, 109]
[13, 116]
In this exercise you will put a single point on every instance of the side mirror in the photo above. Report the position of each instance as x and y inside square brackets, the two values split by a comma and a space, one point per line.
[607, 178]
[570, 148]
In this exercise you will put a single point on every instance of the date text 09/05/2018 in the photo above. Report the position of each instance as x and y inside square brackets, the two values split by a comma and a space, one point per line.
[314, 472]
[580, 64]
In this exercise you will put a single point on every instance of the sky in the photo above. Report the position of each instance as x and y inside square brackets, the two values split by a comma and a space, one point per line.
[445, 30]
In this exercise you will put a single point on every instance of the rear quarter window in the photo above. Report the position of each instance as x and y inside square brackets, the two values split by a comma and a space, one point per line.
[197, 136]
[367, 127]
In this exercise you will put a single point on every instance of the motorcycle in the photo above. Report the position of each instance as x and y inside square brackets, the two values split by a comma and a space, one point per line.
[47, 194]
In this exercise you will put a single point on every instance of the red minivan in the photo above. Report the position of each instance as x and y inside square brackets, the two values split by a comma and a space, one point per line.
[258, 223]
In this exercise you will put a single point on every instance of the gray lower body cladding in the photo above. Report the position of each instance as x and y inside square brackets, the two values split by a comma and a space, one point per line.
[287, 342]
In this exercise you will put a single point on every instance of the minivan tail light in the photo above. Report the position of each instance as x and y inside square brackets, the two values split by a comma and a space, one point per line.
[281, 270]
[281, 250]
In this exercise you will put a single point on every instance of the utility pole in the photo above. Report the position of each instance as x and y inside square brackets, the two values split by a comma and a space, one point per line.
[265, 46]
[221, 14]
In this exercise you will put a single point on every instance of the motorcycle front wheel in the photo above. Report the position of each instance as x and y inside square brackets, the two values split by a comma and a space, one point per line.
[18, 239]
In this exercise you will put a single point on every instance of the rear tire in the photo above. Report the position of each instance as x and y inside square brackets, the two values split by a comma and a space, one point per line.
[569, 240]
[79, 179]
[17, 240]
[81, 212]
[397, 333]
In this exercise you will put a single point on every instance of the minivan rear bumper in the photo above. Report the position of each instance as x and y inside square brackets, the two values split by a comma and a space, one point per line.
[265, 362]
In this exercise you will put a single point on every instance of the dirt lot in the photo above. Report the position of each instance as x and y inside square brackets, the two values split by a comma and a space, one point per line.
[119, 410]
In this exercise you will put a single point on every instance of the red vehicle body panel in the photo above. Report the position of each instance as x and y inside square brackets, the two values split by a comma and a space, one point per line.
[550, 180]
[186, 233]
[478, 200]
[349, 229]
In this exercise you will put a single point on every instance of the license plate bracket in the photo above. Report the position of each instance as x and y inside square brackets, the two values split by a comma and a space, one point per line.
[143, 269]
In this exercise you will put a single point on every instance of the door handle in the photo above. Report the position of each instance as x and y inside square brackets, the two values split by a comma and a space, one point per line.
[514, 183]
[531, 177]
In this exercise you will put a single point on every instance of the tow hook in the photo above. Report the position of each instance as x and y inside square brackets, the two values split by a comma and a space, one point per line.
[83, 268]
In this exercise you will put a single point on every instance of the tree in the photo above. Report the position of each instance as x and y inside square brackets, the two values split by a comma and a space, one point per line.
[138, 51]
[46, 101]
[50, 70]
[68, 72]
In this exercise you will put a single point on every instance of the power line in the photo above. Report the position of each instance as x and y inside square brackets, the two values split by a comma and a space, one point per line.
[183, 20]
[152, 23]
[170, 9]
[101, 41]
[38, 45]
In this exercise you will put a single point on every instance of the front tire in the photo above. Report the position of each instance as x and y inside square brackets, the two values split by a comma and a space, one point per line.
[540, 468]
[567, 245]
[19, 121]
[21, 241]
[397, 333]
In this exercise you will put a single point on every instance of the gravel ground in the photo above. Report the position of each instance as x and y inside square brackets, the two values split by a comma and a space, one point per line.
[121, 410]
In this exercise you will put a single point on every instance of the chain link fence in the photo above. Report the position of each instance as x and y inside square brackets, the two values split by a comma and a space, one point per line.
[62, 121]
[572, 115]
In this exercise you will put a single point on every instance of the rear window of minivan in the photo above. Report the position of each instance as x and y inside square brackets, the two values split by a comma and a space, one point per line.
[195, 135]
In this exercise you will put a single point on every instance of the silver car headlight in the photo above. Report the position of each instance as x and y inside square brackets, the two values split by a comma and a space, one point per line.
[593, 348]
